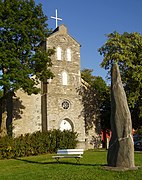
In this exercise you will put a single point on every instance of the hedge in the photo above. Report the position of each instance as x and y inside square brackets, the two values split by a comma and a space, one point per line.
[37, 143]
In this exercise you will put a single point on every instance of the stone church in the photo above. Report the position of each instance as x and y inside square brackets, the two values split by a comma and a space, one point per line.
[59, 105]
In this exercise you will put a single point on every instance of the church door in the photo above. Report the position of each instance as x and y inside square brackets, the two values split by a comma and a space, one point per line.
[66, 125]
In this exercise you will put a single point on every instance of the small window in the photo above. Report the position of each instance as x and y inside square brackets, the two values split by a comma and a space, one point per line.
[59, 53]
[65, 104]
[64, 78]
[68, 54]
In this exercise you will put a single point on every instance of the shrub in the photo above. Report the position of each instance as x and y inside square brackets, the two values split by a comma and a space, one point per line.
[36, 143]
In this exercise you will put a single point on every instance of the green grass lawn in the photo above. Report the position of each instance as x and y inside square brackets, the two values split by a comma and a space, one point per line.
[43, 167]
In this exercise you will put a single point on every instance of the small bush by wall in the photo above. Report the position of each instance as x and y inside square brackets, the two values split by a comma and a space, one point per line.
[36, 143]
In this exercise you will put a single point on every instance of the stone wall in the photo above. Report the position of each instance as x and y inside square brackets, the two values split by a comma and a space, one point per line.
[26, 113]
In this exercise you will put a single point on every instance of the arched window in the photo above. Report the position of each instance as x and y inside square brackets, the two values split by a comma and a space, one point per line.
[68, 54]
[59, 53]
[64, 78]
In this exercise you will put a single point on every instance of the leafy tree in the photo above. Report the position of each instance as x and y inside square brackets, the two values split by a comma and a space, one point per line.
[23, 59]
[87, 76]
[102, 101]
[95, 81]
[126, 50]
[1, 93]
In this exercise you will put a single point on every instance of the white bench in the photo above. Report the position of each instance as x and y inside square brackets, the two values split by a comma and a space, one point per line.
[69, 153]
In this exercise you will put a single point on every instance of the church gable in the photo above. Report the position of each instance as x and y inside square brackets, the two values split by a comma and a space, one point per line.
[62, 32]
[66, 47]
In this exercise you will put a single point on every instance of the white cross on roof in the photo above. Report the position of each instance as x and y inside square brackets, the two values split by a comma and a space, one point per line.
[56, 18]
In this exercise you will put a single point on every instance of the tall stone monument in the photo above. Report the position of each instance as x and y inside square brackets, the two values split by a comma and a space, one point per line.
[121, 148]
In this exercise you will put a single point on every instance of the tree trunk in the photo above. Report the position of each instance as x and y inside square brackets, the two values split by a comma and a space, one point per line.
[6, 107]
[44, 107]
[3, 117]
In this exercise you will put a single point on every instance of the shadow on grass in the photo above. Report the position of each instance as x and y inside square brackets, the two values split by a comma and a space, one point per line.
[60, 162]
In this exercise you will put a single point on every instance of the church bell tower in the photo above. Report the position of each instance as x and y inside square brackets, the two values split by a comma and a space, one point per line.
[64, 104]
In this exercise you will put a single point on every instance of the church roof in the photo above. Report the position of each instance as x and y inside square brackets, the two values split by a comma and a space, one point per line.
[62, 29]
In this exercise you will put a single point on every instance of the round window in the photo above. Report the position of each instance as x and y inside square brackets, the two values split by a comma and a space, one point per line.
[65, 104]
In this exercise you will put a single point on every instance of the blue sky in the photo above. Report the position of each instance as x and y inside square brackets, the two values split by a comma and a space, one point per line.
[89, 21]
